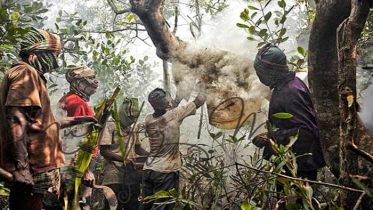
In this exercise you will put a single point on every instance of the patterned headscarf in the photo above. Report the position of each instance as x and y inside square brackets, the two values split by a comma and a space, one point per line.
[81, 82]
[42, 49]
[270, 65]
[159, 99]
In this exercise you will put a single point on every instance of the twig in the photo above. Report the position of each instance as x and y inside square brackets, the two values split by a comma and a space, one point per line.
[200, 123]
[360, 152]
[176, 19]
[302, 180]
[359, 201]
[114, 31]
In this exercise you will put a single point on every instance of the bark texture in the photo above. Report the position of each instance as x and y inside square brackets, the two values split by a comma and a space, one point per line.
[323, 74]
[348, 34]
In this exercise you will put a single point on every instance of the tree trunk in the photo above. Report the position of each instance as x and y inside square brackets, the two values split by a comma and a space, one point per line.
[323, 74]
[348, 34]
[225, 74]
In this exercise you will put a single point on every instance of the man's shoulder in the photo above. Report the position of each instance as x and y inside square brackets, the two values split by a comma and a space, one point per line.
[73, 100]
[297, 85]
[19, 69]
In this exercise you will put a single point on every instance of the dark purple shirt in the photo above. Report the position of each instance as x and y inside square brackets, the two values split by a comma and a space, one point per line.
[291, 95]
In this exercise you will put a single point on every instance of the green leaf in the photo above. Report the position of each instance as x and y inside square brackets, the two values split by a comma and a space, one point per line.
[261, 44]
[300, 62]
[244, 16]
[362, 186]
[251, 30]
[309, 191]
[253, 15]
[52, 86]
[246, 205]
[268, 16]
[251, 38]
[281, 3]
[301, 50]
[263, 32]
[173, 193]
[283, 19]
[6, 47]
[283, 115]
[130, 18]
[15, 16]
[242, 25]
[252, 8]
[278, 13]
[282, 32]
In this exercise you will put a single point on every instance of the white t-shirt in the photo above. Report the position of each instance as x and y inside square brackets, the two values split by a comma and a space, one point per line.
[164, 136]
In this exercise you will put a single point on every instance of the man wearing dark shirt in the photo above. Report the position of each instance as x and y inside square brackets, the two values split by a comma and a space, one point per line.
[290, 95]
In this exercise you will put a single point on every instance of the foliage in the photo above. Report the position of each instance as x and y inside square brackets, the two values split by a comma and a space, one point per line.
[106, 53]
[257, 23]
[299, 61]
[15, 21]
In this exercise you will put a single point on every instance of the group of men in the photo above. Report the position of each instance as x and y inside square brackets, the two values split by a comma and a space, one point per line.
[31, 148]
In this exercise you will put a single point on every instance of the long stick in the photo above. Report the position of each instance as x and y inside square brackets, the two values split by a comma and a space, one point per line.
[302, 180]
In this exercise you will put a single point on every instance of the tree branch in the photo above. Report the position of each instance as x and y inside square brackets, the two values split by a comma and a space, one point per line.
[114, 31]
[176, 20]
[116, 10]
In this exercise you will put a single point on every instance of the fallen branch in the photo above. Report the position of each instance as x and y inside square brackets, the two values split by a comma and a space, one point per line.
[302, 180]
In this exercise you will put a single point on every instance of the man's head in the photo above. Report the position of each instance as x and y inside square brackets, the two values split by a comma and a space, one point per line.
[270, 65]
[160, 99]
[82, 81]
[129, 111]
[40, 49]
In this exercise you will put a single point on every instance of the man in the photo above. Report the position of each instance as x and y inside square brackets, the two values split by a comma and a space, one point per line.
[163, 128]
[30, 145]
[83, 84]
[290, 95]
[123, 178]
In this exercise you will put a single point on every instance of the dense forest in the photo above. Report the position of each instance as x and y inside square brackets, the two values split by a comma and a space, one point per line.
[173, 44]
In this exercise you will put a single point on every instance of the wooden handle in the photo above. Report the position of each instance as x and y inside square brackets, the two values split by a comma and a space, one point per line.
[8, 176]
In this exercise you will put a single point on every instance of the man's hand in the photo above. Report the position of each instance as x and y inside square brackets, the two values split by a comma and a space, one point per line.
[261, 140]
[88, 178]
[22, 181]
[70, 121]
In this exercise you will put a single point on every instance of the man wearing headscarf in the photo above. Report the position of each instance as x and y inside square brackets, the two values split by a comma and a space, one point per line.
[290, 95]
[124, 178]
[161, 169]
[30, 145]
[83, 84]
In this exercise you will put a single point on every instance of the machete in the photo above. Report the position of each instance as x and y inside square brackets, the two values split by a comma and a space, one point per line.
[50, 200]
